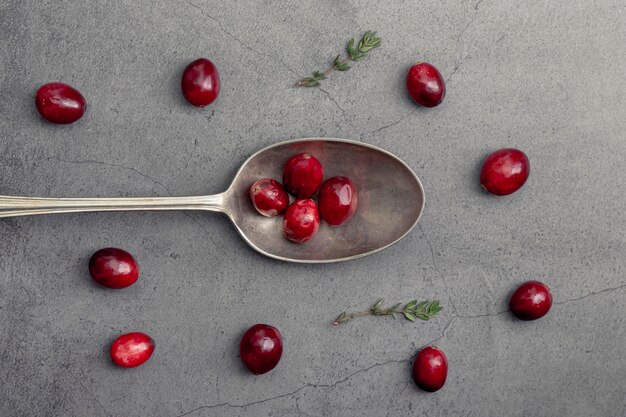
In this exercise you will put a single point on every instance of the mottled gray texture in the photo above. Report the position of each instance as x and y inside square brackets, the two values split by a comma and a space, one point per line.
[547, 77]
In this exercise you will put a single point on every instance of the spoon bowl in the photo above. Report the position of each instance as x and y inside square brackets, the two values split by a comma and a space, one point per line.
[390, 202]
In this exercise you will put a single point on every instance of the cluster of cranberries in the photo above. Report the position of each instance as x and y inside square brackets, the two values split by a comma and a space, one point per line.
[115, 268]
[261, 346]
[530, 301]
[503, 172]
[302, 177]
[62, 104]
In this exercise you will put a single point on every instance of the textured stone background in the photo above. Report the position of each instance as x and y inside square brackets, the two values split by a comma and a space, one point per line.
[547, 77]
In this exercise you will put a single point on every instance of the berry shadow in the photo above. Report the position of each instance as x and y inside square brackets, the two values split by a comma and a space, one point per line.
[238, 365]
[475, 176]
[174, 86]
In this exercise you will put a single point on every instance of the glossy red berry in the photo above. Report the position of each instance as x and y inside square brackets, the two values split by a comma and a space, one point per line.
[132, 349]
[113, 268]
[269, 197]
[200, 82]
[301, 221]
[337, 200]
[531, 300]
[60, 103]
[261, 348]
[504, 171]
[430, 369]
[303, 175]
[425, 85]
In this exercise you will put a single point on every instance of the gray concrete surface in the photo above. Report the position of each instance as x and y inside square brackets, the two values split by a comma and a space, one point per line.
[547, 77]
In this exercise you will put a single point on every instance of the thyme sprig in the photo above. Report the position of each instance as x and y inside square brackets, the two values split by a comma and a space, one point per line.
[411, 311]
[370, 40]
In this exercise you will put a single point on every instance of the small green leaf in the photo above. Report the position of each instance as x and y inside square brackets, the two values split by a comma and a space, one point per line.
[339, 65]
[420, 306]
[395, 306]
[410, 305]
[343, 317]
[369, 41]
[409, 316]
[432, 308]
[422, 316]
[435, 309]
[378, 304]
[350, 49]
[318, 75]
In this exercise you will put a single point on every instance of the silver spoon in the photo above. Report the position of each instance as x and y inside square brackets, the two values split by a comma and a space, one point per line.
[391, 200]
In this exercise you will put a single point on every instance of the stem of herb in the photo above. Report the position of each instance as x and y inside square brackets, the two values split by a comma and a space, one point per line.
[369, 41]
[411, 311]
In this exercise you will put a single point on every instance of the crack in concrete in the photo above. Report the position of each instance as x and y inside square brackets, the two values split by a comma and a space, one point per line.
[242, 43]
[93, 161]
[430, 247]
[90, 394]
[227, 404]
[289, 394]
[436, 268]
[184, 169]
[342, 110]
[459, 40]
[345, 379]
[443, 334]
[476, 316]
[298, 407]
[621, 287]
[390, 124]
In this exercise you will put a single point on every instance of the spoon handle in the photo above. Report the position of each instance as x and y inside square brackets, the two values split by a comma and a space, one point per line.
[25, 206]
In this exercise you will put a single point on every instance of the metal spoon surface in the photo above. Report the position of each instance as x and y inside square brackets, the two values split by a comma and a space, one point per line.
[390, 201]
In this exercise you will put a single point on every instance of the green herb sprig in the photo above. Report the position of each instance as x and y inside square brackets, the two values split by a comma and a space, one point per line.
[370, 40]
[411, 311]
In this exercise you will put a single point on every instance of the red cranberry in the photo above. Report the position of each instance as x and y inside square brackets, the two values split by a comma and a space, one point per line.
[505, 171]
[261, 348]
[132, 349]
[532, 300]
[425, 85]
[337, 200]
[301, 221]
[269, 197]
[303, 175]
[200, 82]
[430, 369]
[113, 268]
[59, 103]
